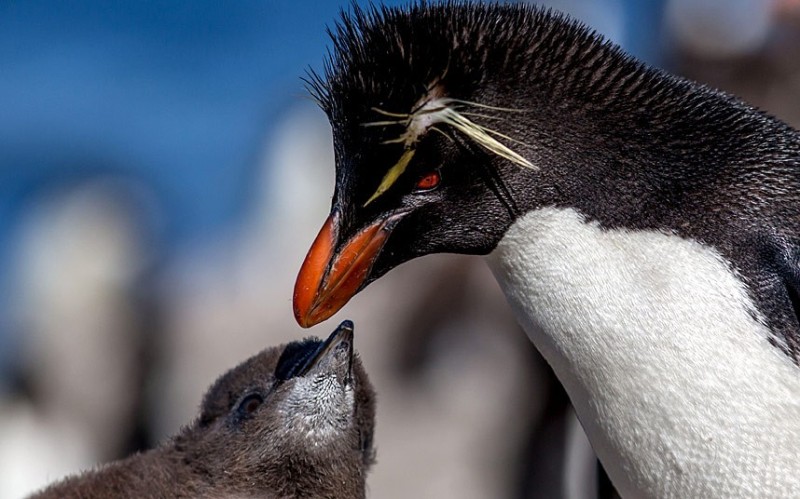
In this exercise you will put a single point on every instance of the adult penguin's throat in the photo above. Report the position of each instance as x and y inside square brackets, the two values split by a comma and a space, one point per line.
[334, 271]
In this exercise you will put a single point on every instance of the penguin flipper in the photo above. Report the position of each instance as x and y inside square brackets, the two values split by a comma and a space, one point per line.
[776, 289]
[790, 275]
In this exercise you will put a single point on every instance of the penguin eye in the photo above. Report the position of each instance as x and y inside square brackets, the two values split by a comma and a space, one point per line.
[428, 182]
[250, 404]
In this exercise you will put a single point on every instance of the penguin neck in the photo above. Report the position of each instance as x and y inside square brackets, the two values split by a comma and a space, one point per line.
[660, 349]
[278, 470]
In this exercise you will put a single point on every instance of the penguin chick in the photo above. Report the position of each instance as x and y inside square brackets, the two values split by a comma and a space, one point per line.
[293, 421]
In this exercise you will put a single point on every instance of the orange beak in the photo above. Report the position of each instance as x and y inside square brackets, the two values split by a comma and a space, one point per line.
[326, 280]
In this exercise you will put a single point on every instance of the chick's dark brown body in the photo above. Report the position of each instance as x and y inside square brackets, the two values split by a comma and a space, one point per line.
[293, 421]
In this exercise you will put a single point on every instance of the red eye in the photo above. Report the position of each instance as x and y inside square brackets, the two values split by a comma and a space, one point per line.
[428, 181]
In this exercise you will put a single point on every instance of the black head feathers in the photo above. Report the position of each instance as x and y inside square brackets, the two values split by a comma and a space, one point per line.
[386, 56]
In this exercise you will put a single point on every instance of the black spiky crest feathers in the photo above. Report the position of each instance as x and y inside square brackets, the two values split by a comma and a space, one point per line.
[389, 56]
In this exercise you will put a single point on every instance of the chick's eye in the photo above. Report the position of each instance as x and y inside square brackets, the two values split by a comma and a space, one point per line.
[428, 181]
[249, 404]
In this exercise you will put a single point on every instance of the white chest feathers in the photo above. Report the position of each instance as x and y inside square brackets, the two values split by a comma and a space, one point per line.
[653, 336]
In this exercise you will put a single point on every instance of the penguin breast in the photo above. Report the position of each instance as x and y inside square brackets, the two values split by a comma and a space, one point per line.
[661, 350]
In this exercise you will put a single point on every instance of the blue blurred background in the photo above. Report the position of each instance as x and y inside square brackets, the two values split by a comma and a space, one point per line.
[156, 159]
[175, 96]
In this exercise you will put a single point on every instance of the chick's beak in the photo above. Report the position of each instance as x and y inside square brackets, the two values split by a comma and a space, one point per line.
[335, 355]
[329, 278]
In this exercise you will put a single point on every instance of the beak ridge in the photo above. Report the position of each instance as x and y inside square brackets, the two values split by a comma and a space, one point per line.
[329, 278]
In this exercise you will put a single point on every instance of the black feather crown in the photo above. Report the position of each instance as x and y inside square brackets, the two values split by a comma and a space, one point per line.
[393, 55]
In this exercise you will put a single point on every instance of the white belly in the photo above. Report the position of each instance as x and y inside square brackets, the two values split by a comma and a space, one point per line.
[653, 336]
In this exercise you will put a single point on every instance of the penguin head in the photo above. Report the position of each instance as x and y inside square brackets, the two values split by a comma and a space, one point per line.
[438, 145]
[285, 416]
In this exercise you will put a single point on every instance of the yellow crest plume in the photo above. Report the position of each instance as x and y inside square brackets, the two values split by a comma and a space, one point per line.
[449, 112]
[392, 175]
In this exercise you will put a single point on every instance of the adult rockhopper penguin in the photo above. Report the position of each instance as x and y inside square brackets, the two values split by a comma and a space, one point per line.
[294, 421]
[644, 228]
